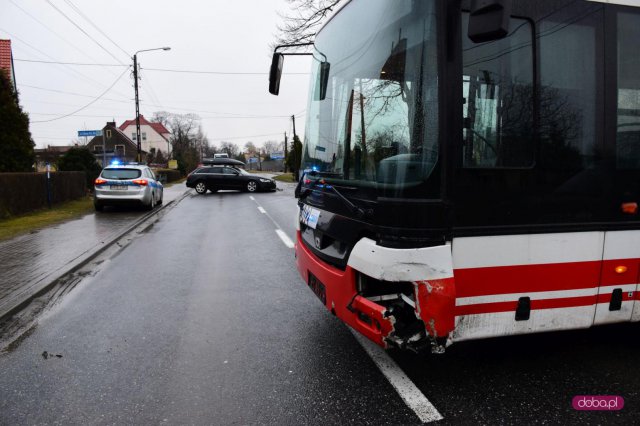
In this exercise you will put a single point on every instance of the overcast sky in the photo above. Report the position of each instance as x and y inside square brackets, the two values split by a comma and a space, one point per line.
[214, 36]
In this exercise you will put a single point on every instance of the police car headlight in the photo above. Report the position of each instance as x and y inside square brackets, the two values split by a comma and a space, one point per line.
[265, 180]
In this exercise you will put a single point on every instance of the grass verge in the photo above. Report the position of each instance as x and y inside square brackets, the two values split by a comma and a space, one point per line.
[286, 177]
[22, 224]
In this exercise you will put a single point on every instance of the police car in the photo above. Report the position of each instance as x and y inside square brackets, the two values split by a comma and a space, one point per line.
[127, 183]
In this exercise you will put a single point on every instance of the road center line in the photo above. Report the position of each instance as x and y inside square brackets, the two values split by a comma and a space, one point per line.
[407, 390]
[251, 198]
[285, 238]
[283, 235]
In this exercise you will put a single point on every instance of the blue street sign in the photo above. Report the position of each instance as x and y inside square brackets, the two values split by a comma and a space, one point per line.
[253, 159]
[89, 133]
[320, 148]
[277, 155]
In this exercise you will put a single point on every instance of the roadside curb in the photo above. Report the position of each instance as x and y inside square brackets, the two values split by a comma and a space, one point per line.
[15, 302]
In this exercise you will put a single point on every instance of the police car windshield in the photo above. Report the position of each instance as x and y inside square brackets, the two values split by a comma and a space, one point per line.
[121, 173]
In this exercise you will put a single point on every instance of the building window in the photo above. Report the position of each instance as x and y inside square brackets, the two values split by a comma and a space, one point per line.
[119, 150]
[144, 136]
[133, 136]
[108, 134]
[97, 148]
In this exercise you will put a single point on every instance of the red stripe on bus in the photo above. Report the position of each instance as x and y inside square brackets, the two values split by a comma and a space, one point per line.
[491, 308]
[610, 276]
[526, 278]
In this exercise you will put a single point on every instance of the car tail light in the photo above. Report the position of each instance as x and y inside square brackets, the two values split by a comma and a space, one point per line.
[141, 182]
[100, 181]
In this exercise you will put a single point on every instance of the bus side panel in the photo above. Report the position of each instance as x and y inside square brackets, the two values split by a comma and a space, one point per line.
[620, 272]
[519, 284]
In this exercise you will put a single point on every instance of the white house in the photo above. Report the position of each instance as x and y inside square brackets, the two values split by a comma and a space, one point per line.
[154, 135]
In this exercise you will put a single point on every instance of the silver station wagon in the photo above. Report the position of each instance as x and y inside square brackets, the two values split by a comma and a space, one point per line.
[127, 184]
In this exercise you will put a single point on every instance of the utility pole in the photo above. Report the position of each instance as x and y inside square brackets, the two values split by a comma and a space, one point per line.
[135, 79]
[293, 117]
[285, 152]
[296, 160]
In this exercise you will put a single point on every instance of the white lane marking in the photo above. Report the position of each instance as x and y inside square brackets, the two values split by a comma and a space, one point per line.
[285, 238]
[251, 198]
[407, 390]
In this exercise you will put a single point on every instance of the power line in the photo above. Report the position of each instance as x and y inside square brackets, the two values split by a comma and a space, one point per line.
[87, 105]
[175, 108]
[70, 93]
[83, 31]
[79, 12]
[51, 30]
[244, 137]
[220, 72]
[83, 76]
[152, 69]
[147, 88]
[70, 63]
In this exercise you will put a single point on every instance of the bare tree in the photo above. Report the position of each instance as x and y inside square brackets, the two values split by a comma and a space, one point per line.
[269, 147]
[162, 117]
[184, 139]
[250, 147]
[201, 142]
[303, 21]
[230, 148]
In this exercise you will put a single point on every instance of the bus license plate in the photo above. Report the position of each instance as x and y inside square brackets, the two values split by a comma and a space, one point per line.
[318, 288]
[119, 187]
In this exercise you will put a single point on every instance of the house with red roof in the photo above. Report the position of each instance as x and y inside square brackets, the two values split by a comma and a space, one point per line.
[6, 61]
[155, 137]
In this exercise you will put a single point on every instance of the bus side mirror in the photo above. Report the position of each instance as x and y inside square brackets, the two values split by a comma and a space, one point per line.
[321, 93]
[275, 73]
[489, 20]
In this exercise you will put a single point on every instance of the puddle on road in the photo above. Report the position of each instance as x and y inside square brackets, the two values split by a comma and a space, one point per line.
[17, 328]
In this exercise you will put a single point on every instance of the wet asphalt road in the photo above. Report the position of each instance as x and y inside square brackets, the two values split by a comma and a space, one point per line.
[204, 320]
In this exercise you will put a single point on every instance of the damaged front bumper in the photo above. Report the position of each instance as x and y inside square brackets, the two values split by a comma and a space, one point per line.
[395, 298]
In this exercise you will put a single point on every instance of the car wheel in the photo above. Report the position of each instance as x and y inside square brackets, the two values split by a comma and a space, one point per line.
[98, 207]
[201, 188]
[152, 203]
[252, 186]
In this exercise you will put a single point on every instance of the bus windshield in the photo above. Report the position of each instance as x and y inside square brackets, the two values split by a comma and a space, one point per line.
[377, 126]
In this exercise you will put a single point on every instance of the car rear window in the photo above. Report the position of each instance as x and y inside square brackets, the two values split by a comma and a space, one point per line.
[121, 173]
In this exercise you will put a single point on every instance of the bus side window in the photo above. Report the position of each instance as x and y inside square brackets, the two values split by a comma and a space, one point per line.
[498, 91]
[628, 126]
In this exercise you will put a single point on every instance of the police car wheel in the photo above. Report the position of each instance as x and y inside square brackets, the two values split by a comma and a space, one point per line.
[201, 188]
[152, 203]
[98, 207]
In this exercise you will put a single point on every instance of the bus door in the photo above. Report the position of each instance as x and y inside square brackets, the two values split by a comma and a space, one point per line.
[619, 286]
[517, 284]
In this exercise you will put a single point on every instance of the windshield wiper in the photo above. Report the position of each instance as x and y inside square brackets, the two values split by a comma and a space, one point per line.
[358, 211]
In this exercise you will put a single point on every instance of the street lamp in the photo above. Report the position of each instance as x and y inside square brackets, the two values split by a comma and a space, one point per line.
[135, 78]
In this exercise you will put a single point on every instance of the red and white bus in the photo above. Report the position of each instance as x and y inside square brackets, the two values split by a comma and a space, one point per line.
[473, 168]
